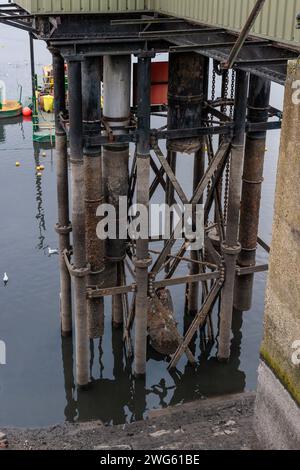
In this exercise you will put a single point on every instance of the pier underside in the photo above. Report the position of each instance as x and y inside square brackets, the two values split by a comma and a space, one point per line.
[225, 132]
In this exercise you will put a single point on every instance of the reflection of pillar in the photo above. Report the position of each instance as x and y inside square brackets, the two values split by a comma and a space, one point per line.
[139, 399]
[63, 226]
[278, 396]
[67, 358]
[40, 216]
[91, 96]
[231, 246]
[142, 246]
[117, 87]
[78, 222]
[258, 105]
[2, 133]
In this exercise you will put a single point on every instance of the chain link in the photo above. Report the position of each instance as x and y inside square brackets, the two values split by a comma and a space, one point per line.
[227, 171]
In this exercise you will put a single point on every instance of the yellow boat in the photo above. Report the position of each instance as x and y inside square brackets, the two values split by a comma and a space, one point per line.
[10, 108]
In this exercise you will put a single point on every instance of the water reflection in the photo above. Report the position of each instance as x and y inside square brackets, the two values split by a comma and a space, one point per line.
[10, 122]
[124, 399]
[40, 215]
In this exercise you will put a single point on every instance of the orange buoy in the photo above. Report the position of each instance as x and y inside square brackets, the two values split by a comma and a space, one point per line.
[27, 111]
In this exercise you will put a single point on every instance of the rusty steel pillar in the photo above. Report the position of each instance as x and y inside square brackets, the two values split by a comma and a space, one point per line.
[80, 270]
[63, 227]
[258, 107]
[231, 246]
[143, 260]
[185, 98]
[199, 170]
[91, 101]
[117, 88]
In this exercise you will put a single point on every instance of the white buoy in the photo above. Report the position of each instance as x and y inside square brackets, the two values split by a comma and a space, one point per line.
[5, 279]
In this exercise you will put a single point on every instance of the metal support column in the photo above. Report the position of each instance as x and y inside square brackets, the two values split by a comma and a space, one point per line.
[63, 226]
[258, 107]
[143, 260]
[199, 170]
[231, 247]
[91, 102]
[78, 222]
[117, 87]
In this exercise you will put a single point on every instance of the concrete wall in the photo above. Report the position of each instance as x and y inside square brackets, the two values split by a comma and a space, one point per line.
[279, 382]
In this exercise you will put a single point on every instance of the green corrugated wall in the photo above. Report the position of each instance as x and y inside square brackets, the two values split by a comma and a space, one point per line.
[277, 20]
[83, 6]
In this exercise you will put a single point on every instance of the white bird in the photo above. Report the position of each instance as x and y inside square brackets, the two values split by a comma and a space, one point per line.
[5, 279]
[52, 252]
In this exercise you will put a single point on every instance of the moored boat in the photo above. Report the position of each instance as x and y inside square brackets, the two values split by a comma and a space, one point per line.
[10, 109]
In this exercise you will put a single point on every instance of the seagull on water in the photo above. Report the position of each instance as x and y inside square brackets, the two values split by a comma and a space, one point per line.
[5, 279]
[52, 252]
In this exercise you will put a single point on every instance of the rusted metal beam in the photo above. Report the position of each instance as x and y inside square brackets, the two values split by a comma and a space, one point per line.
[243, 35]
[170, 174]
[199, 321]
[220, 155]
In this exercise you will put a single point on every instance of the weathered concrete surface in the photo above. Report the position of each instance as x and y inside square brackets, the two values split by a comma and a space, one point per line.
[277, 415]
[282, 314]
[223, 423]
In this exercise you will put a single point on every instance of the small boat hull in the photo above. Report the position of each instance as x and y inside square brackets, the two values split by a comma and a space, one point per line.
[10, 109]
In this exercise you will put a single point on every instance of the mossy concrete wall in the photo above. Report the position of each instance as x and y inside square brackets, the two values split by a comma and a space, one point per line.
[282, 313]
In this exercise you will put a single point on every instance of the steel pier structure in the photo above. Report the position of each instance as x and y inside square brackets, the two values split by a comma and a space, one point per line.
[225, 133]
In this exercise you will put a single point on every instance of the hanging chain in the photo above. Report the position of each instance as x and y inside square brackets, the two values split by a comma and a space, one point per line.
[227, 172]
[232, 92]
[213, 97]
[213, 87]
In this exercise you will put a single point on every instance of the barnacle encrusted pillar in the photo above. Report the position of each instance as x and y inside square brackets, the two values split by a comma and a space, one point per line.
[143, 260]
[91, 101]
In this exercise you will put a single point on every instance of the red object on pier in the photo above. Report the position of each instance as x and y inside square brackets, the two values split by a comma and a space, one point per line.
[159, 83]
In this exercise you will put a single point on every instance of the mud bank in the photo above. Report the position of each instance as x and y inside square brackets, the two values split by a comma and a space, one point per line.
[221, 423]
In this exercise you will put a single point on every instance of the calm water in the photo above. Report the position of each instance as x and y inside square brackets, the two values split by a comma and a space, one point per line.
[37, 385]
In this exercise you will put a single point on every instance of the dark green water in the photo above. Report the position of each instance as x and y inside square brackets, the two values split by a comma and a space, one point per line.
[37, 384]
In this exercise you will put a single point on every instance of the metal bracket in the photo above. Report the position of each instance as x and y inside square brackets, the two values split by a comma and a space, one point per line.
[231, 250]
[63, 230]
